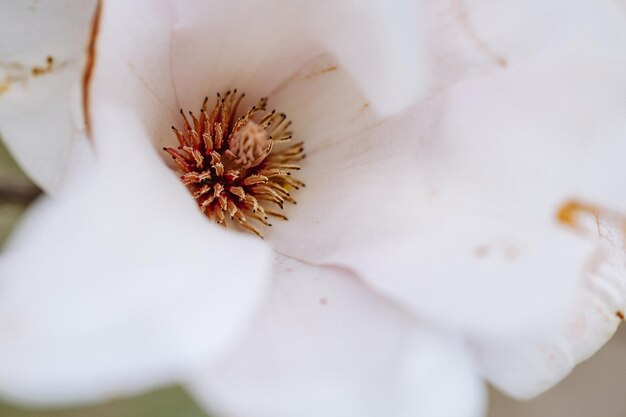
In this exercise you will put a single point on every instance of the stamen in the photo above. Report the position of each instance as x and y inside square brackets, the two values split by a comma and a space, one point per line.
[231, 162]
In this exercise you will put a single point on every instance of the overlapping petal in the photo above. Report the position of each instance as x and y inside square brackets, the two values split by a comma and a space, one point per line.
[201, 48]
[451, 208]
[123, 185]
[393, 202]
[42, 55]
[118, 285]
[224, 45]
[325, 345]
[524, 367]
[448, 209]
[460, 193]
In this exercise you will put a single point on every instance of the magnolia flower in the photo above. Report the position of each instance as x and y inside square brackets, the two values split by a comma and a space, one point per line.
[461, 220]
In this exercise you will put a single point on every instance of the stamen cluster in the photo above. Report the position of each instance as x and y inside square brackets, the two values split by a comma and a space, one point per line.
[233, 166]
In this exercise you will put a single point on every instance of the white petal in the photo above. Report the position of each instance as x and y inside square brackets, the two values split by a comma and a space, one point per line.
[524, 367]
[200, 48]
[445, 218]
[382, 45]
[583, 45]
[451, 207]
[120, 284]
[40, 100]
[254, 46]
[325, 346]
[133, 65]
[477, 37]
[249, 45]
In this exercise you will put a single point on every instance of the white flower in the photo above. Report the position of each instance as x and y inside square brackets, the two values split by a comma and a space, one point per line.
[441, 238]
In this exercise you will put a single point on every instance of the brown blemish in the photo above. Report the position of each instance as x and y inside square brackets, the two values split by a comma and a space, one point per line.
[569, 213]
[620, 314]
[511, 252]
[321, 72]
[16, 72]
[4, 85]
[471, 33]
[33, 6]
[90, 60]
[578, 216]
[505, 250]
[323, 301]
[38, 71]
[572, 213]
[481, 251]
[361, 111]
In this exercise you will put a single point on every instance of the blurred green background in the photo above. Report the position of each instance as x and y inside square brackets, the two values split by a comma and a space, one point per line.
[16, 191]
[171, 402]
[595, 389]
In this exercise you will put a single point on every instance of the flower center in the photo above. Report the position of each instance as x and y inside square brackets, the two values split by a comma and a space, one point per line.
[236, 166]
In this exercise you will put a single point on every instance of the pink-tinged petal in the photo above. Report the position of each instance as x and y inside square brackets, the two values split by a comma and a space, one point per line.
[524, 367]
[249, 45]
[382, 45]
[119, 284]
[42, 55]
[477, 37]
[451, 208]
[183, 51]
[255, 46]
[474, 38]
[324, 345]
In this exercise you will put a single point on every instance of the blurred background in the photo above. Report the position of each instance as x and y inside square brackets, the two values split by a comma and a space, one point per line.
[595, 389]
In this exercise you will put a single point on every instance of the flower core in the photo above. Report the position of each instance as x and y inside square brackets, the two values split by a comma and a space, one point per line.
[233, 166]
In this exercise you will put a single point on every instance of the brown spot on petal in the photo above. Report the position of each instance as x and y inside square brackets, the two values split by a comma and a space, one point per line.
[579, 215]
[4, 85]
[511, 252]
[481, 251]
[33, 6]
[18, 73]
[570, 213]
[90, 60]
[38, 71]
[323, 301]
[591, 220]
[15, 72]
[619, 314]
[471, 33]
[322, 71]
